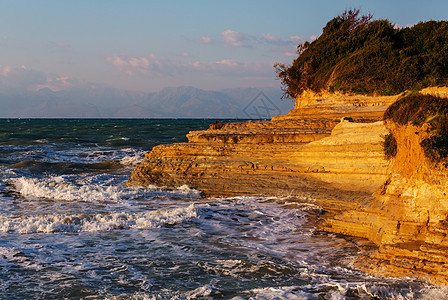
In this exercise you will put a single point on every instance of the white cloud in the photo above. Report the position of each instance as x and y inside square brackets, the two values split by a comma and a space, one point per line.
[23, 79]
[227, 62]
[151, 65]
[269, 37]
[296, 38]
[56, 84]
[205, 40]
[236, 39]
[230, 67]
[132, 65]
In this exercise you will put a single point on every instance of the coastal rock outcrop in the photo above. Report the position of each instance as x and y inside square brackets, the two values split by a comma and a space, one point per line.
[310, 150]
[330, 147]
[408, 218]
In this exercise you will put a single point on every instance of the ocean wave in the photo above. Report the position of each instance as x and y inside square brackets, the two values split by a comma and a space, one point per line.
[97, 222]
[131, 160]
[92, 189]
[53, 155]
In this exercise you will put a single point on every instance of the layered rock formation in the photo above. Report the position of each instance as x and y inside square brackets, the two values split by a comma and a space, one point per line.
[307, 151]
[330, 148]
[408, 218]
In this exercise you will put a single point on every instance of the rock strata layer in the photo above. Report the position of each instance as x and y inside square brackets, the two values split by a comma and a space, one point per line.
[329, 147]
[309, 150]
[408, 218]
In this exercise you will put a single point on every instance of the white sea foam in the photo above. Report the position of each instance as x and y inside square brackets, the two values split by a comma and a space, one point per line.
[11, 256]
[337, 291]
[136, 296]
[96, 223]
[131, 160]
[279, 293]
[203, 292]
[93, 189]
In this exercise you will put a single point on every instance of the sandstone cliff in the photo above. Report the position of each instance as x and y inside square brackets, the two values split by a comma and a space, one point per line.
[307, 151]
[408, 218]
[330, 148]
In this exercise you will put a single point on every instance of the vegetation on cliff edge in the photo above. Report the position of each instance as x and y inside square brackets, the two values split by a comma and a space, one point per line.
[418, 110]
[359, 55]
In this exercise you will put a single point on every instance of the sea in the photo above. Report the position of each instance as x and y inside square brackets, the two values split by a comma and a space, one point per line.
[71, 229]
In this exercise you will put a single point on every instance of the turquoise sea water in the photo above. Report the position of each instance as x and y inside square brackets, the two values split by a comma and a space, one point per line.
[70, 229]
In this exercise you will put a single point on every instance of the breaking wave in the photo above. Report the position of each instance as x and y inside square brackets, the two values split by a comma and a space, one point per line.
[92, 189]
[97, 222]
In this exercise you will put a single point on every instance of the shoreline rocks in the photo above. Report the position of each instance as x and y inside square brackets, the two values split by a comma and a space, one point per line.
[306, 151]
[330, 147]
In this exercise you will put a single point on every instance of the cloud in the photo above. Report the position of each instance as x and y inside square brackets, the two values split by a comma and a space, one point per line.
[4, 70]
[227, 62]
[21, 79]
[269, 38]
[133, 65]
[236, 39]
[290, 54]
[231, 38]
[204, 40]
[296, 38]
[152, 65]
[230, 67]
[287, 47]
[273, 40]
[56, 84]
[59, 47]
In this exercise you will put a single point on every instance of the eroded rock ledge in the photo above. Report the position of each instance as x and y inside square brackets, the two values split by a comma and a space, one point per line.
[310, 150]
[330, 148]
[408, 217]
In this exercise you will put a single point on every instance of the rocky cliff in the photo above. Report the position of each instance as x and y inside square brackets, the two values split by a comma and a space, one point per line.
[310, 150]
[408, 217]
[330, 147]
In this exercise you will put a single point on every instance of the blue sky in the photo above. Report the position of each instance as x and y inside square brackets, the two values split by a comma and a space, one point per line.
[149, 45]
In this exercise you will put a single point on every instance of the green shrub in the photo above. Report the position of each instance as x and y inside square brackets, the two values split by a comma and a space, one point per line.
[417, 110]
[390, 146]
[356, 54]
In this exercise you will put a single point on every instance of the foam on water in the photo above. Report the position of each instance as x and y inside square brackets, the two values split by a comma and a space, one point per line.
[96, 223]
[91, 189]
[76, 154]
[70, 228]
[336, 292]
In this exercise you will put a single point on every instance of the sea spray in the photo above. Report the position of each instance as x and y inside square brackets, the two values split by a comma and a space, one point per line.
[70, 228]
[96, 223]
[100, 188]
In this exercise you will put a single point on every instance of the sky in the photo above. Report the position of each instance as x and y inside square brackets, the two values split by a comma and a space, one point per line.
[144, 45]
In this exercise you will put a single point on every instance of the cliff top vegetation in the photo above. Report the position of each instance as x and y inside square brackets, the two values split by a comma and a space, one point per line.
[356, 54]
[418, 110]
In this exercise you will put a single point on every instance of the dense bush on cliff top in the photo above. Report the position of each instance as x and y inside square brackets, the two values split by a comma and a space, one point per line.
[356, 54]
[417, 109]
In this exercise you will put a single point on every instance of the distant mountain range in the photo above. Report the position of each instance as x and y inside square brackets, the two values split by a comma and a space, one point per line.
[174, 102]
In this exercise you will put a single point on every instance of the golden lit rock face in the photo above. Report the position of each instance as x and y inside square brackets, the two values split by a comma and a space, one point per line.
[408, 218]
[309, 150]
[317, 150]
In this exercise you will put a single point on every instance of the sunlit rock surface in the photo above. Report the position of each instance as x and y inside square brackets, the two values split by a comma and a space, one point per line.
[330, 148]
[329, 143]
